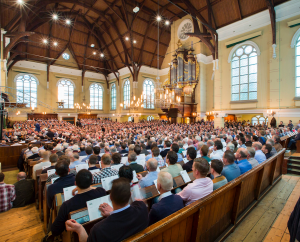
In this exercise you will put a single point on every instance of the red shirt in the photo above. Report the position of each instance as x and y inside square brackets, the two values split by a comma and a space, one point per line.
[7, 195]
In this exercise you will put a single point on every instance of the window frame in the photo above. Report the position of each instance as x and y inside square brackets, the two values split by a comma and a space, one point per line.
[297, 67]
[113, 97]
[126, 88]
[73, 84]
[100, 100]
[148, 103]
[17, 78]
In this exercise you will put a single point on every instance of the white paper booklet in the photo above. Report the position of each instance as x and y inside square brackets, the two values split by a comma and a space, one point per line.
[155, 182]
[50, 172]
[117, 167]
[184, 153]
[135, 180]
[94, 171]
[45, 167]
[185, 176]
[107, 182]
[54, 179]
[136, 193]
[124, 160]
[93, 206]
[68, 192]
[81, 166]
[185, 160]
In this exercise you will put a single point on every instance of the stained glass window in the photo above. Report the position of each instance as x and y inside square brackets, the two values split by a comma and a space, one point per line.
[66, 93]
[113, 97]
[96, 96]
[26, 86]
[148, 90]
[244, 74]
[126, 94]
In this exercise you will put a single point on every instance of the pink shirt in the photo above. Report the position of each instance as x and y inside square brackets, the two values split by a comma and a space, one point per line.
[196, 190]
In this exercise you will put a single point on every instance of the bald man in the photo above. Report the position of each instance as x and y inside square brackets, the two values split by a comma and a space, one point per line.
[151, 176]
[24, 191]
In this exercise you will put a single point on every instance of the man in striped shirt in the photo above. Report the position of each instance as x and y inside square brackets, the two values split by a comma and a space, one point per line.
[106, 171]
[7, 194]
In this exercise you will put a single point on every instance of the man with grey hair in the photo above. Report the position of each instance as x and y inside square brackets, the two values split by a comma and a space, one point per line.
[259, 155]
[74, 160]
[151, 176]
[250, 157]
[113, 149]
[230, 147]
[35, 153]
[58, 149]
[199, 145]
[133, 163]
[241, 156]
[210, 144]
[168, 202]
[24, 189]
[44, 162]
[272, 143]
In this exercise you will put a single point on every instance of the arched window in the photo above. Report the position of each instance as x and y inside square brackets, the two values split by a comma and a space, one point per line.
[96, 96]
[130, 119]
[113, 97]
[148, 90]
[150, 118]
[126, 94]
[66, 92]
[244, 73]
[26, 86]
[298, 67]
[259, 120]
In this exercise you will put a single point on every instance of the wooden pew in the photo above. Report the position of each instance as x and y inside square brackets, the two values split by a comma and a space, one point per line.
[30, 164]
[46, 210]
[9, 155]
[41, 186]
[37, 174]
[298, 146]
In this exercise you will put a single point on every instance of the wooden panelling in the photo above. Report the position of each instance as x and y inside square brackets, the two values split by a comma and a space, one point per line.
[9, 156]
[87, 116]
[41, 116]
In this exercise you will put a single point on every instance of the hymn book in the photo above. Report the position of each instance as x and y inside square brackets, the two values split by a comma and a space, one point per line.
[185, 176]
[54, 179]
[93, 206]
[51, 172]
[155, 183]
[117, 167]
[185, 160]
[68, 192]
[135, 180]
[81, 166]
[45, 167]
[107, 182]
[94, 171]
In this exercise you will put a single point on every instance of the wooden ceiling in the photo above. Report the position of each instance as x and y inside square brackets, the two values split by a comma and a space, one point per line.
[105, 24]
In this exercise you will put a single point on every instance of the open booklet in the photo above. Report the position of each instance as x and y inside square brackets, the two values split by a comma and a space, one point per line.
[50, 172]
[81, 166]
[68, 192]
[185, 176]
[93, 206]
[155, 182]
[117, 167]
[107, 182]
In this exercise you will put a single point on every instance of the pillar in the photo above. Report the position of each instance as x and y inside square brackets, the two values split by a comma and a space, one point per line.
[218, 122]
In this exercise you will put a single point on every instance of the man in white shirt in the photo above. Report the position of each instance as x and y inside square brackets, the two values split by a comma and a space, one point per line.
[44, 162]
[218, 151]
[201, 186]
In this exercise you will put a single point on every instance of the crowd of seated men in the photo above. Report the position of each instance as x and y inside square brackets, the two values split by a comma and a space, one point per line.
[214, 156]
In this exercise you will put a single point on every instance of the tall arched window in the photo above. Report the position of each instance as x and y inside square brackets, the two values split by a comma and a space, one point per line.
[113, 97]
[150, 118]
[244, 73]
[126, 94]
[148, 89]
[96, 96]
[259, 120]
[26, 86]
[298, 67]
[66, 92]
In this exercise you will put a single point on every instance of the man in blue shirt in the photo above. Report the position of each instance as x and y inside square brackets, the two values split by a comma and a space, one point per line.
[241, 156]
[259, 155]
[175, 148]
[230, 170]
[151, 176]
[89, 152]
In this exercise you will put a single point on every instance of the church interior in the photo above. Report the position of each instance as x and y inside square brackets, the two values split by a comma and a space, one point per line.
[121, 76]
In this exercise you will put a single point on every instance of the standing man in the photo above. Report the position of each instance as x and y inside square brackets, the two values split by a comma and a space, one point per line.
[37, 127]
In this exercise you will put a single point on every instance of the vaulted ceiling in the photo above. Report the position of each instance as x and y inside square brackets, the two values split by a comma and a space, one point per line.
[101, 26]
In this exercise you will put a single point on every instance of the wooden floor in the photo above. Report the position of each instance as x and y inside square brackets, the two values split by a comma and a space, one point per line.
[268, 221]
[21, 224]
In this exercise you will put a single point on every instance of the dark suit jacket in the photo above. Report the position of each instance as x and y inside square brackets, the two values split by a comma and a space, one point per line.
[144, 152]
[136, 167]
[123, 152]
[164, 152]
[34, 156]
[188, 166]
[59, 153]
[165, 207]
[297, 137]
[119, 226]
[293, 223]
[24, 193]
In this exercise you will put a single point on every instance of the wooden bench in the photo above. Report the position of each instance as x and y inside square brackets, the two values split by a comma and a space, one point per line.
[41, 186]
[298, 146]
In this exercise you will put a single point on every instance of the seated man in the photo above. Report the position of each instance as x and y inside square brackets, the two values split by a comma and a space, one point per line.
[93, 160]
[241, 156]
[128, 219]
[173, 168]
[151, 176]
[123, 148]
[53, 159]
[65, 179]
[89, 152]
[155, 154]
[7, 194]
[272, 143]
[132, 157]
[74, 159]
[175, 148]
[85, 193]
[190, 155]
[218, 150]
[204, 152]
[230, 170]
[277, 145]
[167, 146]
[82, 151]
[259, 155]
[44, 162]
[201, 186]
[267, 148]
[251, 155]
[24, 190]
[106, 170]
[216, 169]
[96, 151]
[116, 158]
[168, 202]
[35, 153]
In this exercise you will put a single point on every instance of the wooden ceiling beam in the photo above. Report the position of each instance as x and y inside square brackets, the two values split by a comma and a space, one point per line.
[237, 6]
[110, 6]
[140, 60]
[273, 19]
[154, 53]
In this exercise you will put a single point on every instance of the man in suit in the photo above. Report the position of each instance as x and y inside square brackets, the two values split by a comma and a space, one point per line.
[168, 202]
[128, 219]
[24, 191]
[167, 147]
[123, 149]
[82, 151]
[35, 153]
[133, 163]
[50, 134]
[190, 155]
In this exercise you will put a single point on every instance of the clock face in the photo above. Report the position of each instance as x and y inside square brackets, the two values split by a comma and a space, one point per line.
[186, 26]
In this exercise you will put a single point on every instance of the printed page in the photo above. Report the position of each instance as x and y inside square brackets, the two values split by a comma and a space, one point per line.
[135, 180]
[117, 167]
[136, 193]
[54, 179]
[50, 172]
[185, 160]
[81, 166]
[155, 182]
[68, 192]
[93, 206]
[185, 176]
[107, 182]
[45, 167]
[94, 171]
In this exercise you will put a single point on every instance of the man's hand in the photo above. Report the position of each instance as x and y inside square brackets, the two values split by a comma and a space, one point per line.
[72, 225]
[139, 176]
[105, 209]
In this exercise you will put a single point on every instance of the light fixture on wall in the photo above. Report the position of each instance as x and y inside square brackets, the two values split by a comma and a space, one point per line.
[271, 113]
[212, 113]
[32, 109]
[60, 104]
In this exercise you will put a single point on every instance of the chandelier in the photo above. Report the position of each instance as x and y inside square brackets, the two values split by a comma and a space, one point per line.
[83, 107]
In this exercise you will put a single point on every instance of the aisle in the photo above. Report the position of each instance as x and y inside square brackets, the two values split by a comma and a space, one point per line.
[257, 224]
[21, 224]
